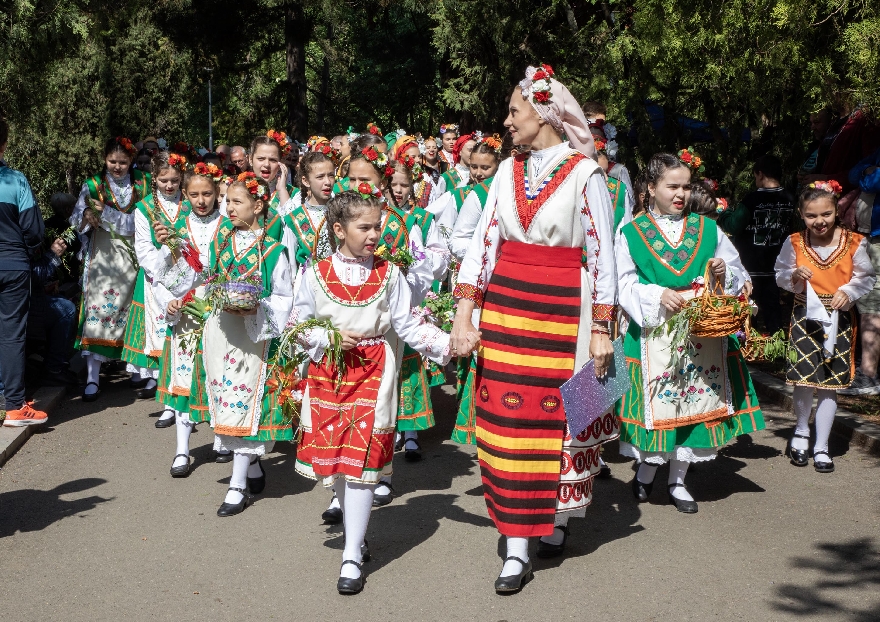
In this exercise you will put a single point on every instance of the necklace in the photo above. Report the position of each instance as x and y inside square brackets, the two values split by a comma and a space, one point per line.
[115, 202]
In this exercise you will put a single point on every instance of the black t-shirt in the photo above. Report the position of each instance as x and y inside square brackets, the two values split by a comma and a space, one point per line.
[768, 218]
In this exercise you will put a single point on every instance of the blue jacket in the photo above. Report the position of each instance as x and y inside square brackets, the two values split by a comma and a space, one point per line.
[21, 223]
[870, 184]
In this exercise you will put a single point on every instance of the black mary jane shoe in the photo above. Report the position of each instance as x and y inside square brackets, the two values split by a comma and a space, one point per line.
[166, 423]
[365, 551]
[798, 457]
[138, 384]
[350, 586]
[515, 582]
[412, 455]
[231, 509]
[182, 470]
[547, 550]
[823, 467]
[222, 458]
[604, 472]
[641, 491]
[257, 484]
[332, 516]
[145, 393]
[685, 507]
[91, 397]
[380, 500]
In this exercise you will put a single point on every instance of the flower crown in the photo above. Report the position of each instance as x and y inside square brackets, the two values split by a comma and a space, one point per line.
[208, 170]
[177, 161]
[379, 160]
[448, 127]
[493, 141]
[831, 186]
[373, 129]
[314, 141]
[690, 159]
[538, 85]
[412, 164]
[127, 145]
[282, 140]
[369, 191]
[258, 188]
[721, 205]
[711, 184]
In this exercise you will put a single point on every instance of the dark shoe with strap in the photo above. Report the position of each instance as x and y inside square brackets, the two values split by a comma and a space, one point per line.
[412, 455]
[685, 507]
[398, 445]
[166, 423]
[332, 516]
[145, 393]
[604, 472]
[222, 458]
[641, 491]
[231, 509]
[515, 582]
[547, 550]
[182, 470]
[91, 397]
[351, 586]
[138, 384]
[799, 457]
[823, 467]
[257, 484]
[380, 500]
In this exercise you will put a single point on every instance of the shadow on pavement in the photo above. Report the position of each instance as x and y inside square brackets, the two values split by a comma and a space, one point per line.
[842, 567]
[33, 510]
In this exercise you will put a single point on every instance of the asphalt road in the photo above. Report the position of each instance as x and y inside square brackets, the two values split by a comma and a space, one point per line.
[92, 527]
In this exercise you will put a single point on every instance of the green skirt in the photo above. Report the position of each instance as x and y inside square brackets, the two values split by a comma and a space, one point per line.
[136, 330]
[465, 430]
[415, 411]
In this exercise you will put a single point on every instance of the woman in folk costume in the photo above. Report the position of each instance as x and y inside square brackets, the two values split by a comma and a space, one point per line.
[459, 174]
[431, 161]
[146, 325]
[348, 412]
[237, 343]
[265, 157]
[544, 313]
[104, 218]
[684, 404]
[828, 269]
[448, 134]
[182, 370]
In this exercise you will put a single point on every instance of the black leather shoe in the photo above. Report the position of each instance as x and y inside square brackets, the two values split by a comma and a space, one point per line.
[86, 397]
[145, 394]
[365, 551]
[257, 484]
[823, 467]
[685, 507]
[547, 550]
[166, 423]
[183, 469]
[380, 500]
[222, 458]
[350, 586]
[641, 491]
[398, 446]
[604, 472]
[798, 457]
[412, 455]
[138, 384]
[231, 509]
[516, 582]
[332, 516]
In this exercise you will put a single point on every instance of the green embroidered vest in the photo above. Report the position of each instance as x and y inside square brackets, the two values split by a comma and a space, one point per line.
[452, 178]
[306, 233]
[223, 259]
[617, 189]
[140, 182]
[397, 227]
[482, 190]
[148, 208]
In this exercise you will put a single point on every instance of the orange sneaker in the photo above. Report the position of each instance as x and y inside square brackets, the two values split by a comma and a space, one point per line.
[25, 415]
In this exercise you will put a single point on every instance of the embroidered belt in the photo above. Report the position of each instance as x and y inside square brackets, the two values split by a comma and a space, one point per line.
[371, 341]
[825, 299]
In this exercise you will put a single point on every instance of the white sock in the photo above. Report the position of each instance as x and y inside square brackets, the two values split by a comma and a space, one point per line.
[677, 471]
[184, 429]
[803, 404]
[240, 464]
[356, 508]
[411, 436]
[169, 413]
[93, 374]
[558, 535]
[383, 487]
[151, 384]
[516, 547]
[825, 411]
[254, 470]
[646, 473]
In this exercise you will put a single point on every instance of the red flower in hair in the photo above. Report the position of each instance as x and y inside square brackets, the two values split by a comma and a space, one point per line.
[364, 188]
[548, 69]
[371, 153]
[539, 75]
[542, 97]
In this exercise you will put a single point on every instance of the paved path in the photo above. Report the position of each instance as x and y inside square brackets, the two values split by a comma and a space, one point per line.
[92, 527]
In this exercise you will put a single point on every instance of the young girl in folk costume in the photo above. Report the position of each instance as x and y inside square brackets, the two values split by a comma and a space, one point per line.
[146, 325]
[265, 156]
[684, 404]
[469, 202]
[541, 267]
[182, 372]
[459, 174]
[434, 166]
[305, 215]
[424, 191]
[348, 414]
[828, 269]
[237, 343]
[104, 218]
[371, 139]
[448, 135]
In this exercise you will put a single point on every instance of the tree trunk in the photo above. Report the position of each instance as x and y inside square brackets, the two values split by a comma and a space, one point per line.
[325, 85]
[296, 33]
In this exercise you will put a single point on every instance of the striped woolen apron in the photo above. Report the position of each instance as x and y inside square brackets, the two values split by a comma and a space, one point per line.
[529, 327]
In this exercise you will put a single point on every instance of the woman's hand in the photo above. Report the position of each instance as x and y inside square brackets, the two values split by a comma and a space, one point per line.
[350, 339]
[839, 300]
[602, 352]
[718, 268]
[161, 232]
[174, 307]
[672, 300]
[90, 219]
[464, 336]
[59, 247]
[801, 273]
[747, 289]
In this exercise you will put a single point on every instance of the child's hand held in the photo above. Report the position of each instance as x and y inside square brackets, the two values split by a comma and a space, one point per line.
[672, 300]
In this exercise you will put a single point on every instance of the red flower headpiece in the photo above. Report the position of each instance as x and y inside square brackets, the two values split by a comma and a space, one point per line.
[690, 159]
[282, 140]
[493, 141]
[413, 165]
[373, 129]
[208, 170]
[255, 185]
[127, 145]
[831, 186]
[722, 205]
[460, 142]
[449, 127]
[177, 161]
[379, 160]
[541, 86]
[600, 143]
[369, 191]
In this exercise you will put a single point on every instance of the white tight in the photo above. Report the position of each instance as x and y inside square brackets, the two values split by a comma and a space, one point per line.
[357, 503]
[826, 408]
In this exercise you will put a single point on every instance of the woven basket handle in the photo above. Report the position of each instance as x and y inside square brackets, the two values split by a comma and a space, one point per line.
[717, 288]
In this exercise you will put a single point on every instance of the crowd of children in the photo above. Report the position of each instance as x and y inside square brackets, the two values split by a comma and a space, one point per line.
[201, 279]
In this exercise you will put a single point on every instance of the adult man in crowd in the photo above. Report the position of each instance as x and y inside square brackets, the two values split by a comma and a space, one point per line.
[21, 237]
[240, 159]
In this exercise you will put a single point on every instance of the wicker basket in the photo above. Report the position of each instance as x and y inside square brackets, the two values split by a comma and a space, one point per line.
[719, 314]
[239, 296]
